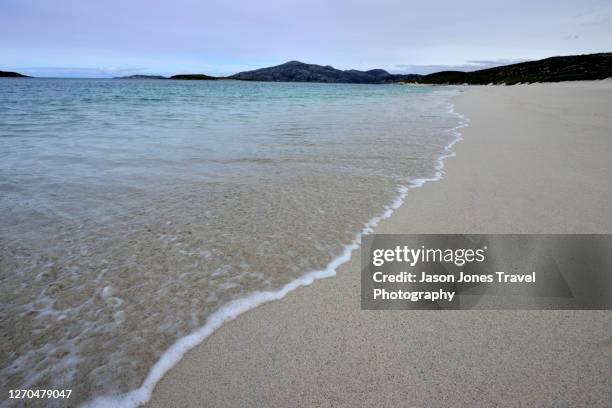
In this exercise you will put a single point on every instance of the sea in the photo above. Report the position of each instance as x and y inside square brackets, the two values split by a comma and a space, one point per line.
[138, 216]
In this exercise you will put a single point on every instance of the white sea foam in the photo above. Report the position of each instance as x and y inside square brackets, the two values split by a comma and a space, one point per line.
[237, 307]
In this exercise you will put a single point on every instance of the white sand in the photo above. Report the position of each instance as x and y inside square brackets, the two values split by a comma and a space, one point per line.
[535, 159]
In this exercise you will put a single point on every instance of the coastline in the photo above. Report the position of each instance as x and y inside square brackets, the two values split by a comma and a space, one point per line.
[316, 347]
[236, 308]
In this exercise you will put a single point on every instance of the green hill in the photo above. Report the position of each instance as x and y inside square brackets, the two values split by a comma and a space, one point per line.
[554, 69]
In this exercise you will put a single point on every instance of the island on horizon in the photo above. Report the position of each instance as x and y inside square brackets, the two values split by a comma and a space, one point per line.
[10, 74]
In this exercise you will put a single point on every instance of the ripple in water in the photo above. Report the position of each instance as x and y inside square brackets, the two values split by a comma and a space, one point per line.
[133, 210]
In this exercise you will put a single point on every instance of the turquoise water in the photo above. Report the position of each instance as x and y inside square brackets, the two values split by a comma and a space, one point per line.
[133, 210]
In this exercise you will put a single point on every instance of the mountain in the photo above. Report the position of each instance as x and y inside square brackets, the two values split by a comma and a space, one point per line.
[139, 76]
[200, 77]
[9, 74]
[554, 69]
[295, 71]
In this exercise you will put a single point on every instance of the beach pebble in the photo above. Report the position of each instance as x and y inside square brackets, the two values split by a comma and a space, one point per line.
[107, 292]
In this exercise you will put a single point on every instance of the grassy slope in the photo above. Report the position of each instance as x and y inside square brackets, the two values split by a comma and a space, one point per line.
[555, 69]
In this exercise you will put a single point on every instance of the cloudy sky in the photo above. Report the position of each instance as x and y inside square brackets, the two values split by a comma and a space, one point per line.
[117, 37]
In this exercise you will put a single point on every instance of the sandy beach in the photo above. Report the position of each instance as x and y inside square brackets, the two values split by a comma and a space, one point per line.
[534, 159]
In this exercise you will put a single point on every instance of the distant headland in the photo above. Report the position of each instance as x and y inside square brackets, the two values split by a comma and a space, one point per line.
[553, 69]
[9, 74]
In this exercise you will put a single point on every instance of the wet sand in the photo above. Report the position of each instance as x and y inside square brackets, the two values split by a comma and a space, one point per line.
[535, 159]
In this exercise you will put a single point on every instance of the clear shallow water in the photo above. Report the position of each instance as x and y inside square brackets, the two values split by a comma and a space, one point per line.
[133, 210]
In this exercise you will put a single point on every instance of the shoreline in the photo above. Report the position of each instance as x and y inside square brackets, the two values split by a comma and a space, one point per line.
[231, 311]
[323, 330]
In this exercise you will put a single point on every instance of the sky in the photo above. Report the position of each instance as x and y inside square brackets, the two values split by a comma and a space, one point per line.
[107, 38]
